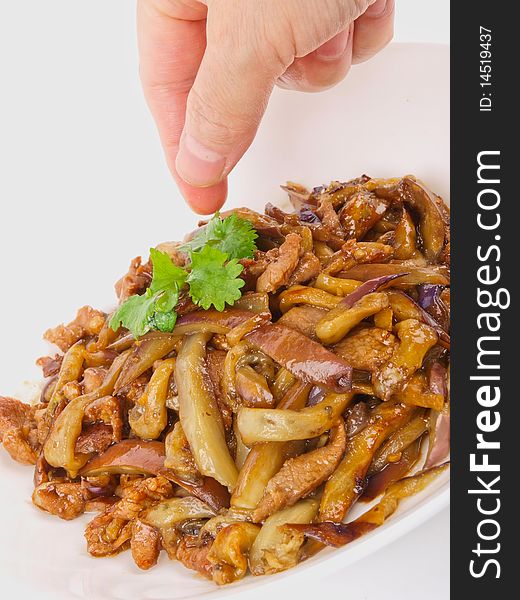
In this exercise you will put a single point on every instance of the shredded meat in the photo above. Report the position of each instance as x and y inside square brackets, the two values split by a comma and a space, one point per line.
[95, 437]
[135, 281]
[71, 390]
[367, 348]
[301, 475]
[329, 217]
[18, 430]
[308, 268]
[93, 378]
[50, 365]
[88, 322]
[108, 534]
[195, 557]
[66, 500]
[147, 491]
[361, 212]
[100, 504]
[278, 272]
[108, 411]
[178, 257]
[354, 253]
[134, 390]
[215, 362]
[111, 531]
[179, 457]
[303, 319]
[145, 545]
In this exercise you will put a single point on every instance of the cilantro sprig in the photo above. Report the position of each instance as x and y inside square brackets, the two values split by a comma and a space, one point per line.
[154, 309]
[212, 277]
[233, 236]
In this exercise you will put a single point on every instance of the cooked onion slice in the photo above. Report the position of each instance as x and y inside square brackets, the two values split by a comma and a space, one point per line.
[305, 359]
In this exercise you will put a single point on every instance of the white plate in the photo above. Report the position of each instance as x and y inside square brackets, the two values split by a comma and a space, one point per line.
[390, 117]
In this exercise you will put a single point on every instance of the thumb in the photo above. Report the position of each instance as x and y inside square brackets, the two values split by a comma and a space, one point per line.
[223, 111]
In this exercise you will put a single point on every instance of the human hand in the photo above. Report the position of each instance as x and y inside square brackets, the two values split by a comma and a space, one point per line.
[208, 69]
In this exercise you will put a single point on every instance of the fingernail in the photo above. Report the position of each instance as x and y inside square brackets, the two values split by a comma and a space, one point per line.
[376, 9]
[335, 47]
[197, 164]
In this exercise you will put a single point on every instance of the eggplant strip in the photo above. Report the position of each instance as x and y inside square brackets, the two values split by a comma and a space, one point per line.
[229, 376]
[71, 369]
[149, 416]
[235, 335]
[229, 551]
[256, 302]
[431, 223]
[346, 483]
[211, 321]
[169, 513]
[415, 392]
[151, 347]
[436, 274]
[335, 285]
[307, 295]
[132, 457]
[242, 450]
[284, 380]
[265, 460]
[415, 340]
[305, 359]
[179, 457]
[335, 325]
[59, 449]
[405, 244]
[405, 308]
[275, 425]
[439, 421]
[339, 534]
[199, 413]
[378, 483]
[384, 319]
[275, 550]
[393, 448]
[359, 304]
[253, 389]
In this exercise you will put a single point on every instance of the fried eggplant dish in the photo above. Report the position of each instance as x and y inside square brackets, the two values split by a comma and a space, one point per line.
[254, 383]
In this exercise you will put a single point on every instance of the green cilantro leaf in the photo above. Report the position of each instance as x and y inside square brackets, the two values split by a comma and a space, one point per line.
[135, 314]
[155, 308]
[212, 280]
[166, 275]
[232, 236]
[163, 321]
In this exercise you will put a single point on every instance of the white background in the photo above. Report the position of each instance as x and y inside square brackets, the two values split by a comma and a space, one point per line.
[77, 147]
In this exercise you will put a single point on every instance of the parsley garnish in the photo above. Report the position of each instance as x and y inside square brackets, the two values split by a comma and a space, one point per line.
[212, 277]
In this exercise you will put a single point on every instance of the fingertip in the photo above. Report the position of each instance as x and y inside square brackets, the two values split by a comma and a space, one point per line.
[207, 200]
